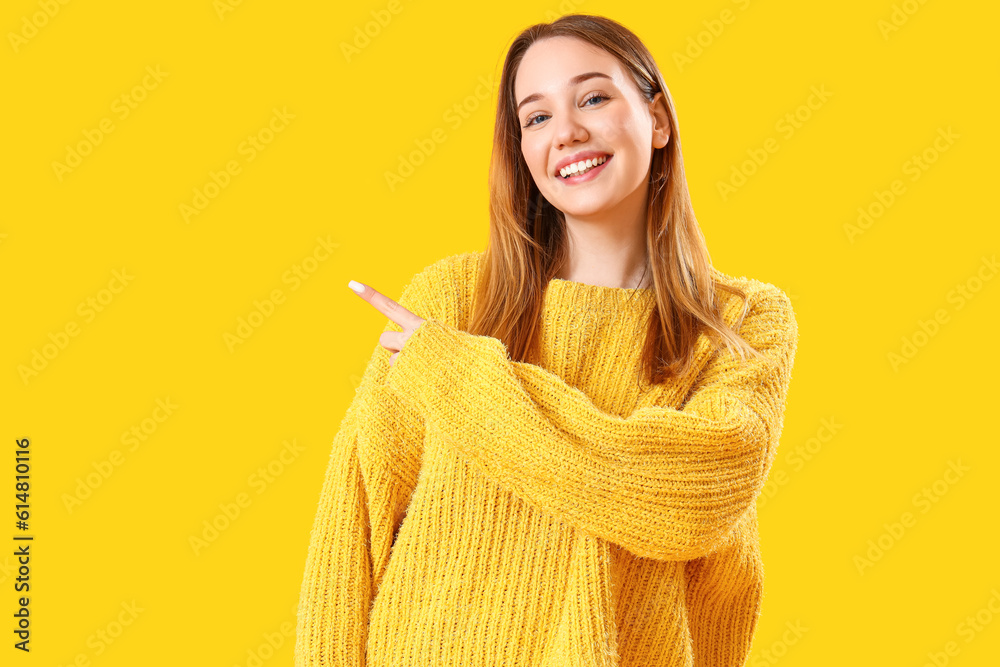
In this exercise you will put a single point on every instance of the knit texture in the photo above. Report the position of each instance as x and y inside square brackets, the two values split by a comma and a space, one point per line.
[482, 512]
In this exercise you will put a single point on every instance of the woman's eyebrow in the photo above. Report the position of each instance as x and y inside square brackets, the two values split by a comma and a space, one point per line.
[575, 80]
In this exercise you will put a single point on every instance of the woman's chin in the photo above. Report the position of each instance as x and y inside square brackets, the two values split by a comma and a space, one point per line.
[582, 211]
[582, 205]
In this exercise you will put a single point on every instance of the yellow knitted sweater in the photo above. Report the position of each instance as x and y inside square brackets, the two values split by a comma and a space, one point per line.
[482, 512]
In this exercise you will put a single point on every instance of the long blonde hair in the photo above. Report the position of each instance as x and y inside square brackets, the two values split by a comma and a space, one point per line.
[527, 239]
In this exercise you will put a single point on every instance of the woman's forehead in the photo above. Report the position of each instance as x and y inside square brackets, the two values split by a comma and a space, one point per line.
[557, 60]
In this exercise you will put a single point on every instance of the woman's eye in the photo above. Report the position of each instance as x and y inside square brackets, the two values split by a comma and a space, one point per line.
[598, 96]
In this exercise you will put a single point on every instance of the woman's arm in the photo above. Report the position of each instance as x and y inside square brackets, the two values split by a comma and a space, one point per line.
[369, 478]
[332, 621]
[663, 483]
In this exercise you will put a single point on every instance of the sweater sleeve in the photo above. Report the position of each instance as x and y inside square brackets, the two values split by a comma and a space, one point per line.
[336, 589]
[663, 483]
[370, 475]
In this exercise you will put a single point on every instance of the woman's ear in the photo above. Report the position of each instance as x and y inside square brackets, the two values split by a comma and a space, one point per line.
[661, 120]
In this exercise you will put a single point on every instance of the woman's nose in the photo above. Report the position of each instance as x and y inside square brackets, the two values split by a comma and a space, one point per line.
[570, 129]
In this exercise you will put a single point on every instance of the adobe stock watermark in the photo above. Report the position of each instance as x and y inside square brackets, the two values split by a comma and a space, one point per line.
[263, 309]
[898, 17]
[714, 27]
[960, 295]
[786, 126]
[229, 511]
[30, 25]
[968, 629]
[105, 636]
[59, 340]
[271, 642]
[122, 106]
[364, 34]
[923, 500]
[453, 117]
[798, 457]
[914, 166]
[249, 148]
[133, 437]
[779, 648]
[223, 7]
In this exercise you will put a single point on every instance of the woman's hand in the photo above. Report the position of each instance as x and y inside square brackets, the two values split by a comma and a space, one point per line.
[390, 340]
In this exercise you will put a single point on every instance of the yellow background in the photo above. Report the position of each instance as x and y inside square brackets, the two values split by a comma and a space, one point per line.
[876, 434]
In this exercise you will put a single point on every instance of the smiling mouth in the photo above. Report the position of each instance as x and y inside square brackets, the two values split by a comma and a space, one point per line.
[595, 166]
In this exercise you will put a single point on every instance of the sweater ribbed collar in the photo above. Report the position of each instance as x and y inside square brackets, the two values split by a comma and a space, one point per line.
[581, 297]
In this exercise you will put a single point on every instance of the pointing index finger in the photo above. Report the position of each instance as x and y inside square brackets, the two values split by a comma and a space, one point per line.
[385, 305]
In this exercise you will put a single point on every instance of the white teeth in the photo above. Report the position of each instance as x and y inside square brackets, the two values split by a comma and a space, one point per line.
[582, 166]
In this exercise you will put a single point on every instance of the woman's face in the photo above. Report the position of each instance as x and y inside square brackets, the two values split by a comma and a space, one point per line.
[569, 117]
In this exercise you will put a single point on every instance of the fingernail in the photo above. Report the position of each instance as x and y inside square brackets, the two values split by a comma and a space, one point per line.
[356, 286]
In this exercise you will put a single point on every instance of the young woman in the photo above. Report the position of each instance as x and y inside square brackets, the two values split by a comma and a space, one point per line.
[555, 451]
